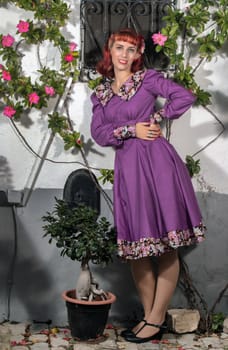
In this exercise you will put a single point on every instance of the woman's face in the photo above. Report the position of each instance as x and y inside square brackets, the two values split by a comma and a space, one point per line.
[123, 55]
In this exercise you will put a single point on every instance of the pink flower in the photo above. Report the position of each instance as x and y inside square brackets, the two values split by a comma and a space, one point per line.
[109, 326]
[72, 46]
[7, 40]
[159, 39]
[22, 342]
[6, 75]
[79, 142]
[49, 90]
[69, 57]
[9, 111]
[23, 27]
[33, 98]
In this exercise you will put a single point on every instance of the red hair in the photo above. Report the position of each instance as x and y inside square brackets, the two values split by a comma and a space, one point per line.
[105, 66]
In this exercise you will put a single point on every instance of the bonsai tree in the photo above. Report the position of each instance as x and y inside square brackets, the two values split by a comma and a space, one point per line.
[84, 237]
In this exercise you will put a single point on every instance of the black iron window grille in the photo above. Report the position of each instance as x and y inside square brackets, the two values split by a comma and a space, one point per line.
[100, 18]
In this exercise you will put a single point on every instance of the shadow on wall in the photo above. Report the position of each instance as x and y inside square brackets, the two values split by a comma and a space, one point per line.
[25, 283]
[5, 174]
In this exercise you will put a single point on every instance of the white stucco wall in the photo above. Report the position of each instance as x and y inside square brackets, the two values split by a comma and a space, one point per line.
[189, 133]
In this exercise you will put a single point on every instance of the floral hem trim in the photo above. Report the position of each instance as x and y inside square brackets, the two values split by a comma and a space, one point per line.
[158, 246]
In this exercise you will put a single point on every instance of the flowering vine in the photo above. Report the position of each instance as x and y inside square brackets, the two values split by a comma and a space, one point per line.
[17, 91]
[201, 26]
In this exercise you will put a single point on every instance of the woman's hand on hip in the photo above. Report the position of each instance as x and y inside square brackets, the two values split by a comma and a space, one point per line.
[147, 131]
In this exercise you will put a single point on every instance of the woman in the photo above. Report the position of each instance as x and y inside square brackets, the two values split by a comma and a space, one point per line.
[155, 208]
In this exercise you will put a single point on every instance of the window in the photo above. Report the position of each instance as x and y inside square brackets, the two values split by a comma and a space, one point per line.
[100, 18]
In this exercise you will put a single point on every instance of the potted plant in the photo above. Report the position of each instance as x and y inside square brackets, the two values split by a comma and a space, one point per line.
[84, 237]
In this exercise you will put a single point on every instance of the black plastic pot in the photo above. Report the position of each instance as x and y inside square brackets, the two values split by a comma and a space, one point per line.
[87, 319]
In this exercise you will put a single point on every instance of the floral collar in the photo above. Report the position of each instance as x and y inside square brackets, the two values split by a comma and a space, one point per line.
[104, 91]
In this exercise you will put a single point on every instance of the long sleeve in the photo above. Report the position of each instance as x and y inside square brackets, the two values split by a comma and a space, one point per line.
[101, 131]
[178, 98]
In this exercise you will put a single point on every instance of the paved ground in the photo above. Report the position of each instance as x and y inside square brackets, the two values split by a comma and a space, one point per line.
[37, 337]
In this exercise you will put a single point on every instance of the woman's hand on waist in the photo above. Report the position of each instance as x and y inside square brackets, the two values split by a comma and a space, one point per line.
[147, 131]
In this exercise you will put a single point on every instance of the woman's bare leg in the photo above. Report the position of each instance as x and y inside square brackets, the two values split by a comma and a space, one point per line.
[168, 273]
[145, 281]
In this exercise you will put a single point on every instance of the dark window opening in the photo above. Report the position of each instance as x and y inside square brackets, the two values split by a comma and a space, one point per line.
[100, 18]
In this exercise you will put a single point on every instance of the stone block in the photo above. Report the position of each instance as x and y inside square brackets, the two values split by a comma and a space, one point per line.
[5, 335]
[212, 342]
[187, 339]
[183, 320]
[17, 328]
[40, 346]
[58, 341]
[38, 338]
[82, 346]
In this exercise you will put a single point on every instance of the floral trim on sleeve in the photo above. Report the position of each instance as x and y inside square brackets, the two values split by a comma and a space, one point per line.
[124, 132]
[157, 117]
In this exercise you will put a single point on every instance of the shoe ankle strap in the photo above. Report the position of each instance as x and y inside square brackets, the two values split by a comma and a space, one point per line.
[144, 324]
[161, 326]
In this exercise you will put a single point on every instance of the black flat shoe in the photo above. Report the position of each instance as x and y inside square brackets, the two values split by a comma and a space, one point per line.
[126, 333]
[156, 336]
[129, 332]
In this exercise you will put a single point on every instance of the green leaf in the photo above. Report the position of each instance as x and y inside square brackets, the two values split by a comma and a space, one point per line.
[71, 139]
[93, 83]
[217, 322]
[107, 175]
[57, 123]
[79, 234]
[192, 165]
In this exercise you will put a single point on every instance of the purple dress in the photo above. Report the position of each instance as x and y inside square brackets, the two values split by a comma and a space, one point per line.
[155, 208]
